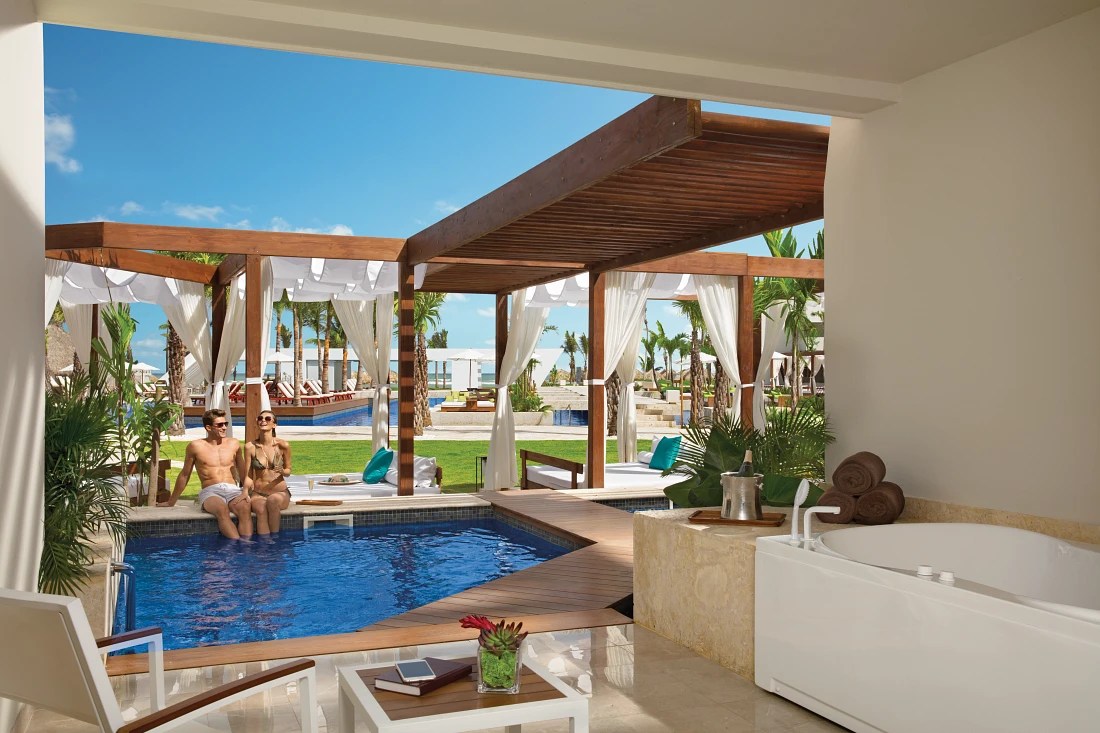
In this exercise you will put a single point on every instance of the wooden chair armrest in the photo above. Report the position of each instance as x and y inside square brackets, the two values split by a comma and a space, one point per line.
[193, 705]
[439, 475]
[138, 636]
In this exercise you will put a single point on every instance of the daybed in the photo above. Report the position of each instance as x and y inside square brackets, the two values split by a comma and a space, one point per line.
[427, 480]
[560, 473]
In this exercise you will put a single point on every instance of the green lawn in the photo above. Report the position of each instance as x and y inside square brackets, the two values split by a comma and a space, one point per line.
[350, 456]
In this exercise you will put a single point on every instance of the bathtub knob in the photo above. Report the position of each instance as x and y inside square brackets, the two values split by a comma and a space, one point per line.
[924, 571]
[947, 577]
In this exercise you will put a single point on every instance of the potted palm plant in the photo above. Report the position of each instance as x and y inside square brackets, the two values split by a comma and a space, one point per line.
[499, 658]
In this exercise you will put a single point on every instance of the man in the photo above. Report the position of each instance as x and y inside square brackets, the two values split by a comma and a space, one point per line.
[219, 462]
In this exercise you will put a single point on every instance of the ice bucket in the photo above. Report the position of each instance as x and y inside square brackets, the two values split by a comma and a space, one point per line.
[741, 496]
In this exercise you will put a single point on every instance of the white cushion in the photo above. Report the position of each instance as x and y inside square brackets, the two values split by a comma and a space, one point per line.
[616, 476]
[645, 457]
[655, 443]
[423, 472]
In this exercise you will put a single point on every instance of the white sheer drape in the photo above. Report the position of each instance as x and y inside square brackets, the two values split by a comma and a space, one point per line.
[771, 335]
[627, 422]
[265, 327]
[625, 297]
[718, 301]
[357, 317]
[525, 328]
[78, 317]
[55, 279]
[186, 311]
[230, 352]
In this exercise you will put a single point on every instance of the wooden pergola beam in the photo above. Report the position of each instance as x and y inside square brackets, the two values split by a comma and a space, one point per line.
[654, 126]
[734, 263]
[799, 214]
[114, 235]
[136, 261]
[229, 268]
[500, 263]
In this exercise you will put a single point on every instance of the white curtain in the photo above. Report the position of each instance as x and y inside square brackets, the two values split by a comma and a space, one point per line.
[357, 317]
[186, 311]
[55, 279]
[771, 335]
[624, 308]
[79, 320]
[230, 352]
[525, 328]
[718, 302]
[627, 422]
[265, 327]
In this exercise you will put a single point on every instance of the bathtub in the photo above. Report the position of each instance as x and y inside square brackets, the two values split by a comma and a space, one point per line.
[852, 627]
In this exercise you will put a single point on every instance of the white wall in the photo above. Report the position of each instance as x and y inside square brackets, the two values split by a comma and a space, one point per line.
[964, 239]
[22, 360]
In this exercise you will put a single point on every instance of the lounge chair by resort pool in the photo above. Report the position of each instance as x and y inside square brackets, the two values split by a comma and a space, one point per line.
[428, 479]
[560, 473]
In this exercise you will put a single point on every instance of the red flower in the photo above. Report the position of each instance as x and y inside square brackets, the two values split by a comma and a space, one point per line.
[477, 622]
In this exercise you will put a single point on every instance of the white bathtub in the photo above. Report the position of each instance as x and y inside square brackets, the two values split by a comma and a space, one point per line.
[847, 628]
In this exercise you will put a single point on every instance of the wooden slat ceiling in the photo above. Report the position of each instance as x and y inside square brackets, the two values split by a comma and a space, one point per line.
[703, 179]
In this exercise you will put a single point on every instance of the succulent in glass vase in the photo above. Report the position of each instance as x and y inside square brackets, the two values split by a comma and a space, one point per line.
[498, 655]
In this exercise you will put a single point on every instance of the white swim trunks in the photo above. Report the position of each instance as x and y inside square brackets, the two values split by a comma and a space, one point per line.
[225, 491]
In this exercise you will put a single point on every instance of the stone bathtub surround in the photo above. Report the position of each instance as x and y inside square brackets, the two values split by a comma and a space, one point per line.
[695, 583]
[930, 510]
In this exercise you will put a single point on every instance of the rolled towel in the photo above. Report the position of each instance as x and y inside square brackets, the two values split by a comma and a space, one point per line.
[859, 473]
[836, 498]
[882, 505]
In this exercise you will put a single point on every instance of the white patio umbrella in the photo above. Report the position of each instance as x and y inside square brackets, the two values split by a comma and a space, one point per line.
[143, 368]
[472, 356]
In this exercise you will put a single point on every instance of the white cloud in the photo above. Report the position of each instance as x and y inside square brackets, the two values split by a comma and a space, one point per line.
[457, 297]
[672, 310]
[97, 217]
[194, 212]
[148, 346]
[242, 224]
[279, 224]
[131, 207]
[487, 312]
[60, 136]
[490, 342]
[445, 207]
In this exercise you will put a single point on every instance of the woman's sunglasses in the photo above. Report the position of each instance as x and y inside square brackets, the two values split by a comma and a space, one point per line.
[265, 418]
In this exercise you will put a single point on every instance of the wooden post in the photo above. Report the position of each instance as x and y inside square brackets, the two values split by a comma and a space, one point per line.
[217, 322]
[154, 469]
[253, 361]
[745, 360]
[597, 400]
[95, 334]
[502, 331]
[406, 352]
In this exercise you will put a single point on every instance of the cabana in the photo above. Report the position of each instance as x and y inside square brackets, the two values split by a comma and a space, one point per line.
[634, 199]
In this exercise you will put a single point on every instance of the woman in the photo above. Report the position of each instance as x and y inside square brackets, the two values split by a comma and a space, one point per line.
[268, 461]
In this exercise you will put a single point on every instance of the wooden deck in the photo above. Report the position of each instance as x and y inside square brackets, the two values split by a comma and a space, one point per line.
[573, 591]
[591, 578]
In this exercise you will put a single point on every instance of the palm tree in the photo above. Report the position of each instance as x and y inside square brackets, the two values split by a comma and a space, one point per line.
[439, 341]
[427, 314]
[664, 343]
[312, 315]
[582, 342]
[296, 313]
[280, 307]
[691, 310]
[795, 294]
[569, 346]
[340, 341]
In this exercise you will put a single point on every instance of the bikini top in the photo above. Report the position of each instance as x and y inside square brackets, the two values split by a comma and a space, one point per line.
[276, 462]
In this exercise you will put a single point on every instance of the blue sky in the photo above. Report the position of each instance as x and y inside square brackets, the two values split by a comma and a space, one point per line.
[160, 131]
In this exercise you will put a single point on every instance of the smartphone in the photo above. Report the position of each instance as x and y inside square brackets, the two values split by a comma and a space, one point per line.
[415, 671]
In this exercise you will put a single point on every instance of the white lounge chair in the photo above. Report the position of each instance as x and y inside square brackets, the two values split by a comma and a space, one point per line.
[561, 473]
[49, 659]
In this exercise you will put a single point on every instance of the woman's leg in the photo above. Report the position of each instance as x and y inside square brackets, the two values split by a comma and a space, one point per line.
[259, 505]
[276, 503]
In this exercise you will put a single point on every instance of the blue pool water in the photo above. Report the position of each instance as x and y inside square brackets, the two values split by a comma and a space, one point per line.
[353, 417]
[573, 418]
[204, 589]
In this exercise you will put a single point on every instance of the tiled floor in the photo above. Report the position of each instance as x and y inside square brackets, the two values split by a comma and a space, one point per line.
[635, 681]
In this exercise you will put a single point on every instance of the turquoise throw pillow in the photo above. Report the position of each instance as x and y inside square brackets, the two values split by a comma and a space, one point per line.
[378, 465]
[665, 454]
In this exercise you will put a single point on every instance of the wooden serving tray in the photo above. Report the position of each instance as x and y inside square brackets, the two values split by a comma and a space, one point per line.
[319, 502]
[352, 482]
[714, 516]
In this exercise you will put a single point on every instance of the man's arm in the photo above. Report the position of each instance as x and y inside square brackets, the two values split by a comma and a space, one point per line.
[183, 478]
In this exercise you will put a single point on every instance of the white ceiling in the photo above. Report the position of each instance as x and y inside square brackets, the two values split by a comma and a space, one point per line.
[880, 40]
[845, 57]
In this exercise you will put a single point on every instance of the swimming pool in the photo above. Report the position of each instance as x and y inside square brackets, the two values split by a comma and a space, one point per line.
[204, 589]
[352, 417]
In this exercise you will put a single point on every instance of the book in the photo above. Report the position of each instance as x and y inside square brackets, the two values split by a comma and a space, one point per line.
[446, 671]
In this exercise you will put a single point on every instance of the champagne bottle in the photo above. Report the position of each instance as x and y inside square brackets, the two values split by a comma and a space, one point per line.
[746, 467]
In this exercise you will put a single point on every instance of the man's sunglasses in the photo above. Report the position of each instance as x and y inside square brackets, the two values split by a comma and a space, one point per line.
[220, 425]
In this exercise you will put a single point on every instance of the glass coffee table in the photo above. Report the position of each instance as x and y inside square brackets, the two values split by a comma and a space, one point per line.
[457, 706]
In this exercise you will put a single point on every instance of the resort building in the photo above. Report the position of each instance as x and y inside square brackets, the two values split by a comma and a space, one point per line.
[959, 173]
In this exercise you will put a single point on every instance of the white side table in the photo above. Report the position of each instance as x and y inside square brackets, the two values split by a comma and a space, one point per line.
[458, 706]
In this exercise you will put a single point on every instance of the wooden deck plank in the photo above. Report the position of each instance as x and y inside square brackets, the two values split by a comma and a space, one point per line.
[355, 641]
